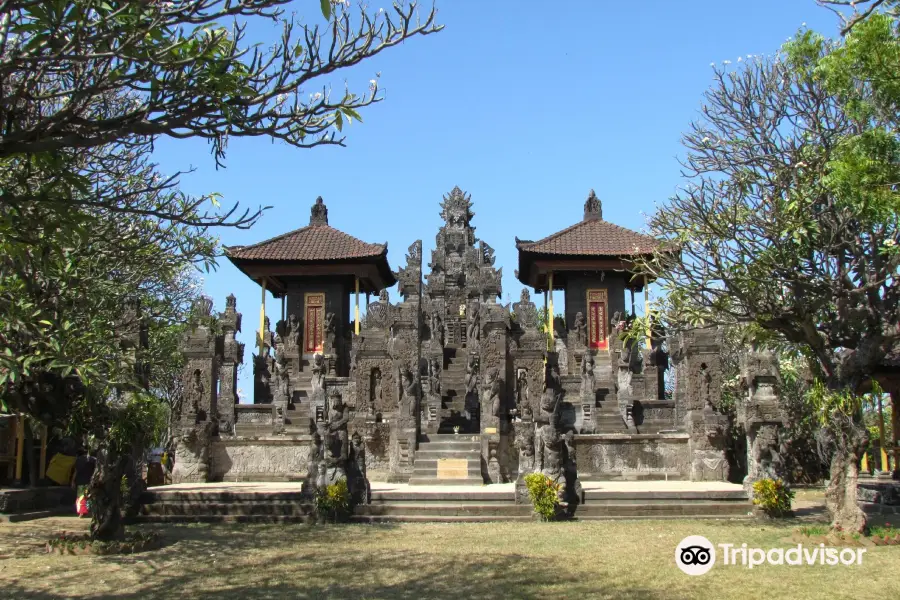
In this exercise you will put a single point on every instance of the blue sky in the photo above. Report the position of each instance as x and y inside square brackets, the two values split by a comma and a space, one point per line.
[525, 105]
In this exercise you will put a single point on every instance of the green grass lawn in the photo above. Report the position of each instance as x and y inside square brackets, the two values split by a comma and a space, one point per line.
[598, 559]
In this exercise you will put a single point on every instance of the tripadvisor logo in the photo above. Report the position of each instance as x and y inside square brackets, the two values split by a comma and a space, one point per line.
[696, 555]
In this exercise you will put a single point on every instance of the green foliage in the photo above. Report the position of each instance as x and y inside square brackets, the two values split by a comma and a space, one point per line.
[544, 494]
[812, 530]
[333, 503]
[827, 404]
[773, 497]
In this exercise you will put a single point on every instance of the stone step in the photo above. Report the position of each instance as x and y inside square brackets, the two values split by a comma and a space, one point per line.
[433, 455]
[435, 519]
[259, 508]
[421, 473]
[450, 447]
[432, 463]
[162, 495]
[594, 496]
[434, 481]
[478, 494]
[445, 509]
[685, 509]
[441, 437]
[269, 519]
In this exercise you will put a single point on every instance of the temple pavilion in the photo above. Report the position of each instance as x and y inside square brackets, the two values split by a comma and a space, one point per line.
[315, 270]
[594, 263]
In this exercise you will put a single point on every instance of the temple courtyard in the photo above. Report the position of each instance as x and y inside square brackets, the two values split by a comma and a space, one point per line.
[589, 559]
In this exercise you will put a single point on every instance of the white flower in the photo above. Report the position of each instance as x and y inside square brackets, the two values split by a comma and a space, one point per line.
[373, 82]
[704, 140]
[740, 59]
[281, 98]
[317, 95]
[726, 62]
[890, 243]
[381, 10]
[712, 64]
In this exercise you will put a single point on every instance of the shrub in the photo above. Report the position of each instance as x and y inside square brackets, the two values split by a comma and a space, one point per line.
[544, 494]
[773, 497]
[333, 502]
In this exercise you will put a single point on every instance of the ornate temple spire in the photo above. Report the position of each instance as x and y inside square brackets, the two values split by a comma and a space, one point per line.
[593, 209]
[318, 214]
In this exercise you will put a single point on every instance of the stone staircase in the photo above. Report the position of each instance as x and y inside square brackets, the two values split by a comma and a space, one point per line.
[448, 459]
[453, 390]
[607, 416]
[472, 504]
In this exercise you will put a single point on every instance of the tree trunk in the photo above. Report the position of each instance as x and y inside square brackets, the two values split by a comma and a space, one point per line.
[106, 497]
[840, 496]
[136, 485]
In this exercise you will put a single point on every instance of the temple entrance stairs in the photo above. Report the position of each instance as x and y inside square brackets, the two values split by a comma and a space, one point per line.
[448, 459]
[271, 503]
[453, 392]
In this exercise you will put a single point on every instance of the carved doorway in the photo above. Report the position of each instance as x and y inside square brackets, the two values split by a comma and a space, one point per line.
[314, 330]
[597, 320]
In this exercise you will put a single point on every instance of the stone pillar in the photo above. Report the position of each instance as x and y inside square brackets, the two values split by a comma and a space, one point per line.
[199, 409]
[698, 394]
[760, 414]
[232, 355]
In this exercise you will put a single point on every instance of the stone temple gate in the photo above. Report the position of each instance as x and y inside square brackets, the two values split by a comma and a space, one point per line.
[448, 385]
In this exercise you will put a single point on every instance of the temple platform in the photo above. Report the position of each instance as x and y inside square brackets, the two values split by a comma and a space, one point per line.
[283, 502]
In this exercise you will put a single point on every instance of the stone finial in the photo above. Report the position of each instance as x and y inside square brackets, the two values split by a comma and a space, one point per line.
[318, 214]
[593, 209]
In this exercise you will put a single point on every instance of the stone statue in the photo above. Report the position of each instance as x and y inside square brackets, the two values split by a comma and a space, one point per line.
[587, 375]
[330, 331]
[336, 443]
[579, 327]
[318, 372]
[492, 393]
[293, 337]
[549, 404]
[358, 484]
[551, 379]
[434, 376]
[282, 380]
[525, 445]
[409, 391]
[549, 456]
[197, 392]
[375, 391]
[617, 322]
[562, 352]
[522, 399]
[437, 328]
[472, 374]
[473, 333]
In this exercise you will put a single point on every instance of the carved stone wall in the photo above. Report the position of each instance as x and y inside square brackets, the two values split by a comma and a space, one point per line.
[242, 459]
[696, 356]
[760, 414]
[199, 421]
[232, 355]
[633, 456]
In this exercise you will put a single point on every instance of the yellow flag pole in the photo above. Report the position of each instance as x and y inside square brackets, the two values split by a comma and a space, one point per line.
[550, 315]
[356, 314]
[262, 317]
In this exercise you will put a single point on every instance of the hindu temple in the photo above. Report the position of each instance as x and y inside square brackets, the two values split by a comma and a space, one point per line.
[447, 386]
